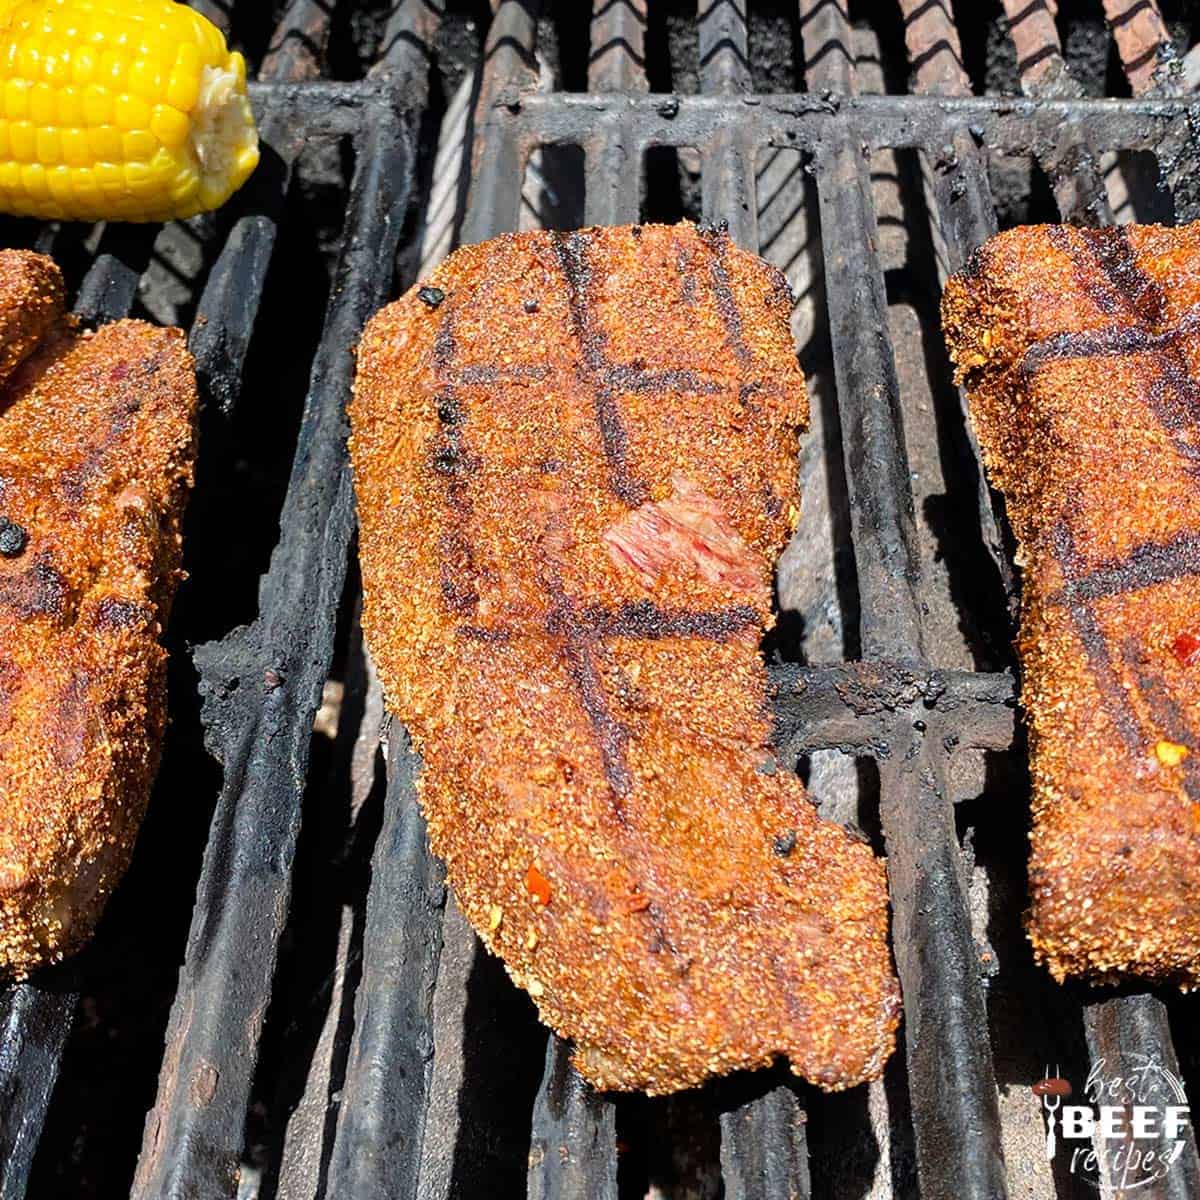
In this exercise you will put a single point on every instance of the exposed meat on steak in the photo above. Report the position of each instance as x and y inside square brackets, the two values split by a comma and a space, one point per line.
[569, 513]
[96, 449]
[1079, 349]
[688, 527]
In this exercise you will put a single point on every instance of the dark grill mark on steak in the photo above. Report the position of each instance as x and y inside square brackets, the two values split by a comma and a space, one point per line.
[481, 633]
[612, 738]
[450, 460]
[635, 378]
[1087, 627]
[458, 573]
[38, 591]
[1147, 565]
[571, 251]
[115, 614]
[1123, 284]
[73, 482]
[727, 307]
[644, 619]
[477, 373]
[1112, 341]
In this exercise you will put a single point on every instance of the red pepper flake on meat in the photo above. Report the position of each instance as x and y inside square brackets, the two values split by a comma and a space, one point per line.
[537, 885]
[1186, 649]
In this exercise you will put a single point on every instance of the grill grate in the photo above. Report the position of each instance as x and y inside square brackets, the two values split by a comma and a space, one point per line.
[897, 707]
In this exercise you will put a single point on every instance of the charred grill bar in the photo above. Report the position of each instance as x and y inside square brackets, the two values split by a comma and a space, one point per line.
[261, 686]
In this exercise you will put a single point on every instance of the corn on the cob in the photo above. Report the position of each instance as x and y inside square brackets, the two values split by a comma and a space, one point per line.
[131, 110]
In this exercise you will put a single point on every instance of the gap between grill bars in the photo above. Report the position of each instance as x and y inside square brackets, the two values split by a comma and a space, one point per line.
[894, 706]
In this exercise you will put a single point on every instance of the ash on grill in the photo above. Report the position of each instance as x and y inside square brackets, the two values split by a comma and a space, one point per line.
[333, 1030]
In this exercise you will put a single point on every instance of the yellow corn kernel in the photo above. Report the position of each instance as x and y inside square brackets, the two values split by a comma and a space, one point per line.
[58, 179]
[183, 89]
[130, 109]
[16, 99]
[83, 64]
[43, 104]
[138, 146]
[56, 62]
[146, 79]
[29, 60]
[84, 186]
[33, 180]
[69, 105]
[24, 141]
[104, 141]
[74, 148]
[47, 149]
[97, 105]
[131, 112]
[169, 125]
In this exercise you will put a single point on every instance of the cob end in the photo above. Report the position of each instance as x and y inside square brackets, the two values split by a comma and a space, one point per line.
[223, 135]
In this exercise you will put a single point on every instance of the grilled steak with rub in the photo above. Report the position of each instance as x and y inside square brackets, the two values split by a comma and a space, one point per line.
[575, 458]
[96, 450]
[1079, 349]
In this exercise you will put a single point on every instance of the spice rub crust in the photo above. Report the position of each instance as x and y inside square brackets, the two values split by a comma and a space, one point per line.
[1079, 350]
[96, 451]
[575, 461]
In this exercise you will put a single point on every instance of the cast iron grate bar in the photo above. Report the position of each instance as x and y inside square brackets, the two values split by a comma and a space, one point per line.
[1133, 1030]
[385, 1097]
[261, 688]
[617, 57]
[35, 1022]
[229, 302]
[727, 156]
[950, 1074]
[572, 1147]
[764, 1149]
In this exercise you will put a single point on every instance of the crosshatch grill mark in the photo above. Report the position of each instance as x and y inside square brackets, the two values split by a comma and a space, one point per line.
[580, 627]
[1126, 286]
[571, 251]
[1173, 394]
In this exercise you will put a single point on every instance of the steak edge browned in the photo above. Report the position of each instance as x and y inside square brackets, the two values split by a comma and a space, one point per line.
[575, 459]
[1079, 350]
[96, 450]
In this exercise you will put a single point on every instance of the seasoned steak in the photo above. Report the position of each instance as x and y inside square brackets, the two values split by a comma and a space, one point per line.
[96, 448]
[1079, 350]
[575, 457]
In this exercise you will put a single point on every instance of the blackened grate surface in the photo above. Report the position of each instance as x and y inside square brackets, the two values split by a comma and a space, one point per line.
[418, 1077]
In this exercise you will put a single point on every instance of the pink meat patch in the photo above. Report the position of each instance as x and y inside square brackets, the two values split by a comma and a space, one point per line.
[688, 529]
